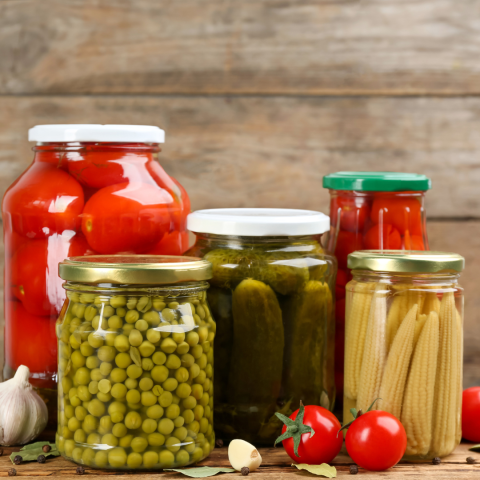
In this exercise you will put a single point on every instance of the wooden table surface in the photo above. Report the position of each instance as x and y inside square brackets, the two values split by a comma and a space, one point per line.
[276, 465]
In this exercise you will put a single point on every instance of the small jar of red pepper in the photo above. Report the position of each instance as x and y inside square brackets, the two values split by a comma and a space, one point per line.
[90, 189]
[371, 211]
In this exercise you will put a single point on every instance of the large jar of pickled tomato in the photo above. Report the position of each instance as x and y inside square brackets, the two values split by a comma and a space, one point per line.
[371, 210]
[90, 189]
[135, 362]
[271, 296]
[404, 344]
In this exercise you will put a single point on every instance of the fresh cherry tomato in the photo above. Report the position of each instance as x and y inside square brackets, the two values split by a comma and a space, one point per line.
[401, 212]
[347, 242]
[129, 217]
[471, 414]
[34, 270]
[44, 200]
[376, 440]
[29, 340]
[323, 446]
[385, 238]
[349, 212]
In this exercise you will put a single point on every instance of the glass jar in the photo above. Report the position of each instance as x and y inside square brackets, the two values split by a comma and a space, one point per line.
[90, 189]
[271, 295]
[371, 210]
[404, 344]
[135, 362]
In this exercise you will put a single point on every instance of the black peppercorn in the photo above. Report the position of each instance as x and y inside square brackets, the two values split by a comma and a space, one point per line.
[353, 469]
[219, 443]
[80, 470]
[46, 448]
[12, 472]
[41, 459]
[436, 461]
[17, 460]
[470, 460]
[245, 471]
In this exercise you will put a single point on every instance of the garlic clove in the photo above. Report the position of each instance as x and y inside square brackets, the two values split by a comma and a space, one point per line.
[23, 414]
[243, 454]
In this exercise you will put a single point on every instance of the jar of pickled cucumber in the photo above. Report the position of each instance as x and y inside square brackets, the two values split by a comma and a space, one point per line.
[135, 362]
[271, 295]
[404, 344]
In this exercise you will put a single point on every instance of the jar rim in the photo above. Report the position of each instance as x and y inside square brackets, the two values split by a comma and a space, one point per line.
[135, 269]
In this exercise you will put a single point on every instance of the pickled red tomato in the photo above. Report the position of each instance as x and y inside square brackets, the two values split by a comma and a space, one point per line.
[43, 201]
[404, 214]
[349, 213]
[413, 242]
[29, 339]
[130, 217]
[174, 243]
[384, 237]
[347, 242]
[34, 274]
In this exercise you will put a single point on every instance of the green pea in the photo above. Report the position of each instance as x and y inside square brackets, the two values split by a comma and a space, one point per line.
[204, 425]
[148, 399]
[150, 459]
[165, 426]
[139, 444]
[131, 383]
[155, 412]
[196, 351]
[74, 342]
[198, 412]
[94, 439]
[119, 390]
[104, 397]
[209, 371]
[87, 297]
[83, 394]
[107, 311]
[159, 373]
[121, 312]
[173, 362]
[92, 362]
[78, 310]
[80, 413]
[96, 375]
[165, 329]
[188, 416]
[189, 444]
[106, 353]
[152, 318]
[182, 348]
[121, 343]
[169, 315]
[146, 349]
[141, 325]
[77, 454]
[172, 444]
[118, 375]
[166, 459]
[104, 385]
[183, 390]
[119, 430]
[67, 434]
[90, 313]
[202, 361]
[110, 337]
[96, 408]
[88, 456]
[144, 304]
[90, 424]
[118, 301]
[193, 427]
[99, 323]
[165, 399]
[117, 457]
[210, 357]
[178, 422]
[187, 360]
[134, 460]
[133, 396]
[182, 458]
[178, 337]
[207, 411]
[123, 360]
[106, 368]
[117, 417]
[69, 411]
[201, 377]
[73, 424]
[156, 439]
[207, 384]
[192, 338]
[159, 304]
[78, 360]
[170, 384]
[127, 328]
[133, 371]
[173, 411]
[181, 374]
[106, 423]
[149, 425]
[159, 358]
[115, 407]
[147, 364]
[80, 436]
[82, 376]
[135, 338]
[146, 384]
[200, 311]
[133, 420]
[153, 336]
[86, 349]
[101, 459]
[180, 433]
[93, 387]
[132, 316]
[168, 345]
[197, 391]
[126, 441]
[157, 390]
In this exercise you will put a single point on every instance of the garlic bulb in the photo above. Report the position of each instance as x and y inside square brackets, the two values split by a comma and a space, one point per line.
[23, 414]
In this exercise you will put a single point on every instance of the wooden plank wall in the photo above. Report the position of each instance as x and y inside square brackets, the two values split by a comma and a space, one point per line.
[261, 98]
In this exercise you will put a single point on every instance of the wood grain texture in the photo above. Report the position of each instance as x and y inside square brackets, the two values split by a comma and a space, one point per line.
[276, 465]
[273, 152]
[344, 47]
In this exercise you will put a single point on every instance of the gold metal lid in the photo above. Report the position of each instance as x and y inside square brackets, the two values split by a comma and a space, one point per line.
[406, 261]
[135, 269]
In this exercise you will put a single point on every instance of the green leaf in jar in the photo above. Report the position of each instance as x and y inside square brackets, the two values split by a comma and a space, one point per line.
[323, 470]
[30, 453]
[200, 472]
[475, 448]
[135, 356]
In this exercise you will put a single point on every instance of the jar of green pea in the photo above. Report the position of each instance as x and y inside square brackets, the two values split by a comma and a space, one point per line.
[135, 362]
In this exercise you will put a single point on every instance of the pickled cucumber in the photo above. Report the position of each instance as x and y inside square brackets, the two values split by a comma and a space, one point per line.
[134, 388]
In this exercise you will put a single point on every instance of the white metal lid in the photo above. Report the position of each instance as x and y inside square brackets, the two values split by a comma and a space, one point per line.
[258, 222]
[97, 133]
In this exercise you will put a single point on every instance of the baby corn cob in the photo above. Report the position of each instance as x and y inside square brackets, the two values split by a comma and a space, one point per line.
[421, 319]
[446, 384]
[396, 314]
[458, 430]
[418, 401]
[432, 303]
[396, 369]
[355, 331]
[374, 353]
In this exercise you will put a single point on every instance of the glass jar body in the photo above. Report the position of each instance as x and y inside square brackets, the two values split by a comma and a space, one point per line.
[135, 376]
[363, 220]
[273, 303]
[404, 347]
[76, 199]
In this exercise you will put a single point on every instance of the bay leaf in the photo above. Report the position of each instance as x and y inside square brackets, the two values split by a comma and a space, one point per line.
[32, 446]
[31, 452]
[475, 448]
[324, 469]
[200, 472]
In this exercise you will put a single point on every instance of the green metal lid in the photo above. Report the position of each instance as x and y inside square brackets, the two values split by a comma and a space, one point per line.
[377, 181]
